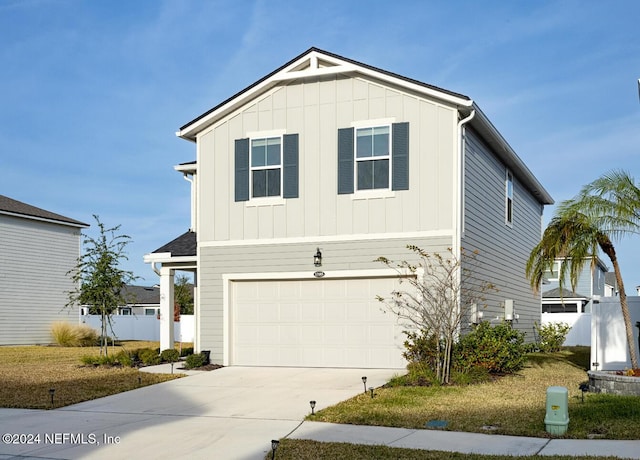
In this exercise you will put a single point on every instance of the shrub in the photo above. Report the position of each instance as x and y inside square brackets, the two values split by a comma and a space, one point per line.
[498, 349]
[471, 376]
[552, 336]
[87, 336]
[170, 355]
[124, 359]
[418, 374]
[421, 347]
[63, 334]
[149, 357]
[88, 360]
[193, 361]
[73, 335]
[186, 351]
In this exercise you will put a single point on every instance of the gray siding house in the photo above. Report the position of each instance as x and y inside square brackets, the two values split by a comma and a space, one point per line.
[330, 157]
[37, 249]
[591, 283]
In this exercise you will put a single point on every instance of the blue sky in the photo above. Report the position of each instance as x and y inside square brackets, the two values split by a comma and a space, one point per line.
[94, 91]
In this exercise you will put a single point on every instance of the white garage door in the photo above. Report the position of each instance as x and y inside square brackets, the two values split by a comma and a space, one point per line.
[314, 323]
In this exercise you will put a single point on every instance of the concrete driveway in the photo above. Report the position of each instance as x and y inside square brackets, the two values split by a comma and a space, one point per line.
[229, 413]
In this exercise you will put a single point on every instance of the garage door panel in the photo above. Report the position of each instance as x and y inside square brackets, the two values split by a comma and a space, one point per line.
[318, 323]
[290, 312]
[311, 312]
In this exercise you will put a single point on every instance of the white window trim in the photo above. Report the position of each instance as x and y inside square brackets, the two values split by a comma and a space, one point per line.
[376, 192]
[557, 266]
[265, 200]
[508, 178]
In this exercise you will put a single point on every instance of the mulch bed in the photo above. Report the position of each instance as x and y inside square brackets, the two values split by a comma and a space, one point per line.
[206, 367]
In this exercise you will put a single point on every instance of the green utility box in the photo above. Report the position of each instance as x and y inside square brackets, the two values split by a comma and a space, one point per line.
[557, 418]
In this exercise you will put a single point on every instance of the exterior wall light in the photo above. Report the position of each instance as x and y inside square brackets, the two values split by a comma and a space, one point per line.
[317, 258]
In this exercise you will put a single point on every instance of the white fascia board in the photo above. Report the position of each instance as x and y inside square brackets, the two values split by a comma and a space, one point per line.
[165, 257]
[289, 73]
[44, 219]
[188, 168]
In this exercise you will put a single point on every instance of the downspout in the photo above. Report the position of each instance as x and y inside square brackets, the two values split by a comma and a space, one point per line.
[189, 179]
[155, 270]
[460, 180]
[457, 252]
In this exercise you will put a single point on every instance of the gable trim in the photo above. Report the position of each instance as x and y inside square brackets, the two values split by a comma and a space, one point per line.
[308, 65]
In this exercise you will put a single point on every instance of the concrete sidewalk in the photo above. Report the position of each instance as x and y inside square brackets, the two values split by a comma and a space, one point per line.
[470, 443]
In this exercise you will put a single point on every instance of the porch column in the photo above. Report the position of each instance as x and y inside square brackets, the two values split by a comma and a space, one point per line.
[166, 307]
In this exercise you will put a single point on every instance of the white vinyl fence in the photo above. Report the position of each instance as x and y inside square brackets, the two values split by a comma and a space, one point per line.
[580, 333]
[609, 349]
[142, 327]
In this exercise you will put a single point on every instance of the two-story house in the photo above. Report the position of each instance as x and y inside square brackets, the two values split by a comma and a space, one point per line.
[37, 250]
[579, 299]
[305, 177]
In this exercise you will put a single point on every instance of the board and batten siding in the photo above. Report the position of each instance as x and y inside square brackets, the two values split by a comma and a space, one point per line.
[35, 257]
[262, 259]
[315, 110]
[503, 249]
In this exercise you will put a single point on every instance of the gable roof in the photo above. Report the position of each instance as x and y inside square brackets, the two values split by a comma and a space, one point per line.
[558, 293]
[315, 63]
[11, 207]
[184, 245]
[145, 295]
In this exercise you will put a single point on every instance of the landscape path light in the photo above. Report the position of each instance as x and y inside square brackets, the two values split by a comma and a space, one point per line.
[364, 382]
[274, 446]
[313, 406]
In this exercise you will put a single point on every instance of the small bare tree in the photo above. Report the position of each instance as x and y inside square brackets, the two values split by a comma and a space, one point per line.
[98, 279]
[441, 293]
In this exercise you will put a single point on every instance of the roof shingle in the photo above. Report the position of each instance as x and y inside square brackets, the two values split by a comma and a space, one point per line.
[15, 207]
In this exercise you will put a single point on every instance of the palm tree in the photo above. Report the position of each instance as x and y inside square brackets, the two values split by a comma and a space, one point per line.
[607, 207]
[613, 203]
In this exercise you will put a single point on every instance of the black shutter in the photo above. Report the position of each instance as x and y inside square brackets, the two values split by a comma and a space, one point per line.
[290, 171]
[345, 161]
[242, 169]
[400, 156]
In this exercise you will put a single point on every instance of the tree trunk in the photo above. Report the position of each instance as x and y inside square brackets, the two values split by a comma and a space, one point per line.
[608, 249]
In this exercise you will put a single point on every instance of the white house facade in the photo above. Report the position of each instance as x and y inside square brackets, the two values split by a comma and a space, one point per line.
[304, 178]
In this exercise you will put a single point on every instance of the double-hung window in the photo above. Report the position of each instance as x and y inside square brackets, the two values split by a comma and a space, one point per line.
[266, 167]
[373, 157]
[373, 154]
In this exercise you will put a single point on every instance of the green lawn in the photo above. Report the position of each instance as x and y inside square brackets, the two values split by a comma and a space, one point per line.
[294, 449]
[510, 405]
[27, 373]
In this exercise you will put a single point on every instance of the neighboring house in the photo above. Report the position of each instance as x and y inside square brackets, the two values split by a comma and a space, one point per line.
[611, 285]
[37, 250]
[591, 282]
[144, 300]
[305, 177]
